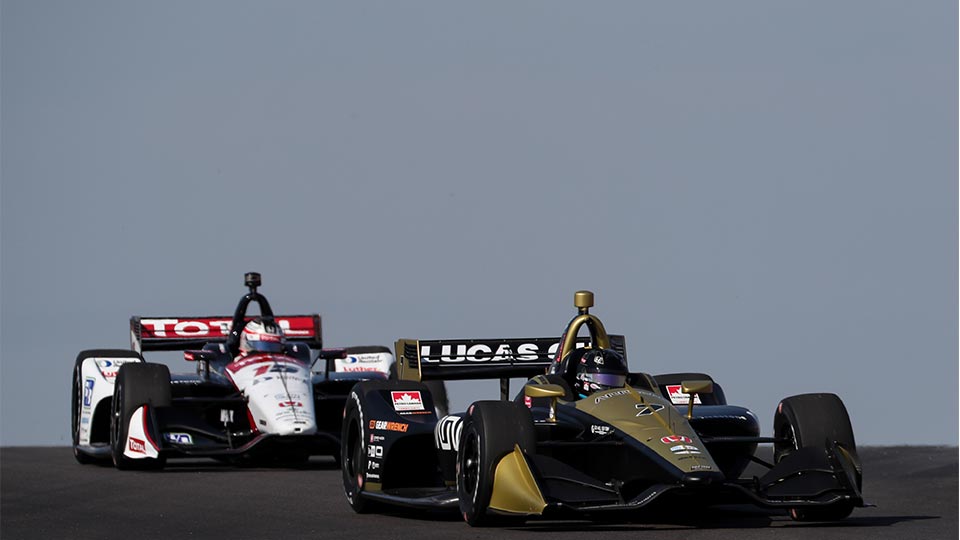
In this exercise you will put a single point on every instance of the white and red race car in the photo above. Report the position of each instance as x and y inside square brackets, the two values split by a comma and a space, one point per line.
[263, 407]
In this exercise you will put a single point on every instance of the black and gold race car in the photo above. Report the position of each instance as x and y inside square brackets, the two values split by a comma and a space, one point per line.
[584, 437]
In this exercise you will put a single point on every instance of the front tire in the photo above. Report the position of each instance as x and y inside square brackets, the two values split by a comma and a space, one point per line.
[76, 398]
[353, 458]
[76, 403]
[137, 385]
[491, 430]
[814, 420]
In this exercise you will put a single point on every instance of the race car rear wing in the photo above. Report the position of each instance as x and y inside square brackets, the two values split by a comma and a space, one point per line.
[460, 359]
[182, 333]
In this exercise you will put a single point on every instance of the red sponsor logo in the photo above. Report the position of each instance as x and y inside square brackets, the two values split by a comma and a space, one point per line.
[528, 401]
[674, 439]
[677, 397]
[217, 327]
[389, 426]
[290, 404]
[407, 401]
[136, 445]
[271, 362]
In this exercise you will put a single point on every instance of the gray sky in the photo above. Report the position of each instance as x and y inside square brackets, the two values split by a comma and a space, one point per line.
[764, 191]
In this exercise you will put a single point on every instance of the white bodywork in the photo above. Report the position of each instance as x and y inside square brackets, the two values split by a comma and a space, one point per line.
[139, 444]
[279, 392]
[372, 361]
[97, 377]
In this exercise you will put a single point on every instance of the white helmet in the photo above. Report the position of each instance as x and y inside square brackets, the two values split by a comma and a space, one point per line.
[261, 336]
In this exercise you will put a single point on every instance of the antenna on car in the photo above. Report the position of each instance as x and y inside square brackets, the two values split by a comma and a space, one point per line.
[583, 301]
[252, 280]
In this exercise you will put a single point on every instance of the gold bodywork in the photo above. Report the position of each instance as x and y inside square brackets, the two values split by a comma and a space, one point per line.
[514, 489]
[583, 300]
[652, 420]
[408, 366]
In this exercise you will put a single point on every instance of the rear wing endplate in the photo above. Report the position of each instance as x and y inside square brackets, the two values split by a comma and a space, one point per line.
[461, 359]
[182, 333]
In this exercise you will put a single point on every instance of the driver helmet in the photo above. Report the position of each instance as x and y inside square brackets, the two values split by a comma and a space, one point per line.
[261, 335]
[599, 370]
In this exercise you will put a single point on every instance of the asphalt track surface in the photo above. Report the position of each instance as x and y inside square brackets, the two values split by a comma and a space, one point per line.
[44, 493]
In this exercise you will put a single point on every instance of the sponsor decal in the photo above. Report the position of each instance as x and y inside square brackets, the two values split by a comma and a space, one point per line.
[644, 410]
[374, 451]
[85, 420]
[376, 438]
[372, 476]
[373, 465]
[350, 360]
[601, 430]
[136, 445]
[684, 449]
[257, 336]
[700, 467]
[389, 426]
[528, 401]
[110, 368]
[217, 327]
[178, 438]
[447, 432]
[277, 368]
[611, 394]
[407, 401]
[499, 350]
[674, 439]
[358, 368]
[88, 392]
[679, 398]
[293, 404]
[226, 416]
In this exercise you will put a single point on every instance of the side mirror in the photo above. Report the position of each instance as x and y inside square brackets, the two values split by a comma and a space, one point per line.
[693, 388]
[199, 356]
[543, 390]
[553, 391]
[202, 358]
[332, 354]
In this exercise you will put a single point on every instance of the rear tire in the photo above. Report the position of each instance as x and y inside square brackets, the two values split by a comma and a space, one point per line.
[137, 385]
[814, 420]
[491, 430]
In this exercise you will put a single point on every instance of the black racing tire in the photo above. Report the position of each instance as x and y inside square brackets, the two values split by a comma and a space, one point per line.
[137, 384]
[76, 396]
[353, 458]
[491, 430]
[814, 420]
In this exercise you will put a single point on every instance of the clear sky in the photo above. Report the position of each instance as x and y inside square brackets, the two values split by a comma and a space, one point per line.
[764, 191]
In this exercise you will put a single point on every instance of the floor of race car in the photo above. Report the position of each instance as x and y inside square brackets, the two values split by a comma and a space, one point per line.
[44, 493]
